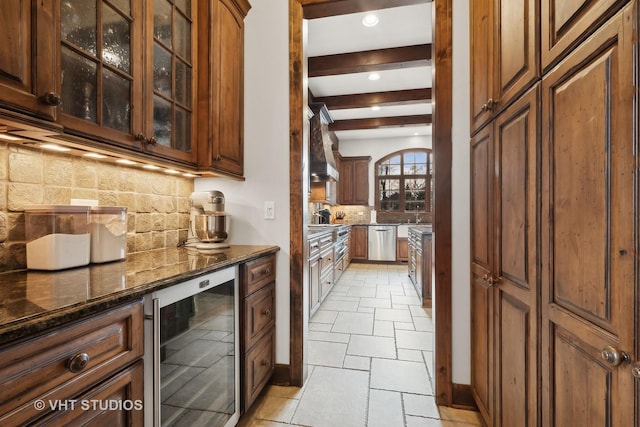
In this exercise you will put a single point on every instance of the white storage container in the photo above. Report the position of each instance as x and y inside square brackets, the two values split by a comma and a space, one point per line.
[108, 225]
[57, 236]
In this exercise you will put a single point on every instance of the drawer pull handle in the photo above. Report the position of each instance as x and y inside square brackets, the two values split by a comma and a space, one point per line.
[267, 312]
[266, 272]
[266, 363]
[78, 362]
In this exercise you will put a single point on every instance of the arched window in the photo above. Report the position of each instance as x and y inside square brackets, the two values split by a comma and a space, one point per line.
[403, 181]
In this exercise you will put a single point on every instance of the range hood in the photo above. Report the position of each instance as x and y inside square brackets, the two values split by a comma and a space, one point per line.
[322, 163]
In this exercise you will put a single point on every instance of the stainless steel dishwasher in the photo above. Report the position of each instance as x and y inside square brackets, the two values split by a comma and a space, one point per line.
[382, 243]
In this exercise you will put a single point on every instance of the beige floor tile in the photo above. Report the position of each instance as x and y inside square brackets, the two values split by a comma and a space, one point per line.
[375, 302]
[414, 340]
[323, 353]
[324, 316]
[410, 355]
[385, 409]
[353, 323]
[393, 315]
[335, 305]
[357, 362]
[370, 346]
[329, 336]
[420, 405]
[383, 328]
[399, 375]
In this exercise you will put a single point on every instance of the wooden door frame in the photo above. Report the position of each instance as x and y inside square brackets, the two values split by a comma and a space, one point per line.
[447, 393]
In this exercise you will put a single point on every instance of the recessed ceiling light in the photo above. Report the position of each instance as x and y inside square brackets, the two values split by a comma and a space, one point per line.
[370, 20]
[54, 147]
[374, 76]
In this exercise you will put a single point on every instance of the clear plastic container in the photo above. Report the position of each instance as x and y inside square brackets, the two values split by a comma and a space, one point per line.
[108, 226]
[57, 236]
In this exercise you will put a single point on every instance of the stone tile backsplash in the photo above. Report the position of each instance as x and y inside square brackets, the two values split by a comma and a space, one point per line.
[157, 203]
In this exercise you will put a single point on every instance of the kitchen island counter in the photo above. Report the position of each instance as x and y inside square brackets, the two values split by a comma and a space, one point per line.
[35, 301]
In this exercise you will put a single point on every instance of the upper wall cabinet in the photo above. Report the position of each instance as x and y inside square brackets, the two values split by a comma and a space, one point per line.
[565, 23]
[504, 59]
[224, 87]
[27, 63]
[161, 78]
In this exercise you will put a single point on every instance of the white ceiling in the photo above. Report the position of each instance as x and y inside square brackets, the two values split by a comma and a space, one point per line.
[399, 26]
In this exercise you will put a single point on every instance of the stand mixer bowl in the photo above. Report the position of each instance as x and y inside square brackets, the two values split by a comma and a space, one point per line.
[211, 228]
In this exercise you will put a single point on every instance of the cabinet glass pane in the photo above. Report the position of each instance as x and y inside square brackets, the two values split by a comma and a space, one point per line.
[162, 121]
[183, 37]
[116, 108]
[79, 83]
[78, 23]
[161, 70]
[183, 130]
[116, 41]
[183, 83]
[123, 5]
[184, 6]
[162, 12]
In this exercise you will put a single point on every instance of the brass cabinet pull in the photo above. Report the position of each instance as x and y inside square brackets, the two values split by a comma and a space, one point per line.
[152, 141]
[267, 312]
[635, 371]
[485, 278]
[614, 357]
[492, 281]
[266, 363]
[78, 362]
[51, 98]
[266, 272]
[142, 138]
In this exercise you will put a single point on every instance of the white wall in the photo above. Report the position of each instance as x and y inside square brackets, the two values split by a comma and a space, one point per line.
[460, 200]
[379, 148]
[266, 146]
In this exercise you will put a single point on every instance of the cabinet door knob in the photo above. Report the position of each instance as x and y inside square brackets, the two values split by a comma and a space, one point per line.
[217, 158]
[152, 141]
[614, 357]
[140, 137]
[635, 371]
[266, 363]
[78, 362]
[266, 272]
[267, 312]
[492, 281]
[51, 98]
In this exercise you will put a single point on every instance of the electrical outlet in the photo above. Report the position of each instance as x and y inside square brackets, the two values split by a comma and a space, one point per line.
[270, 210]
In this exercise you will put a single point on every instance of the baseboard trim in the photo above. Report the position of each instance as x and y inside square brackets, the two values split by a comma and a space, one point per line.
[462, 398]
[281, 375]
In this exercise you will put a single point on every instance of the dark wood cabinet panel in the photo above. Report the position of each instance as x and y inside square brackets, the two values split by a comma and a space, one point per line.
[359, 242]
[565, 22]
[257, 327]
[402, 249]
[28, 61]
[353, 186]
[589, 120]
[504, 55]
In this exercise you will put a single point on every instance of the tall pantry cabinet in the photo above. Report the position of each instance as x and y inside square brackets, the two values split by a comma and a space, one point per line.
[554, 217]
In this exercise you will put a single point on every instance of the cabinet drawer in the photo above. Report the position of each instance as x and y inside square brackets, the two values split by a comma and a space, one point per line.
[66, 361]
[258, 273]
[260, 314]
[259, 365]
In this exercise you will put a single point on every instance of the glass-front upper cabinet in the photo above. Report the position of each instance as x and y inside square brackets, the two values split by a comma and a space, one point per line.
[127, 72]
[171, 84]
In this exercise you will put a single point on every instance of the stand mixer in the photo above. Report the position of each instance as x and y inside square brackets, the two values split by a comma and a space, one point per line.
[208, 222]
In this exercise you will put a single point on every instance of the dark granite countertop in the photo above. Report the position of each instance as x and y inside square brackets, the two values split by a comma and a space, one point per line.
[33, 301]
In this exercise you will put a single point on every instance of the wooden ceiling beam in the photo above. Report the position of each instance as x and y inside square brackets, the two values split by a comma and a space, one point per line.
[371, 60]
[364, 100]
[313, 9]
[380, 122]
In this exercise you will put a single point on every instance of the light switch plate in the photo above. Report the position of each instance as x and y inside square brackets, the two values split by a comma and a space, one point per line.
[269, 210]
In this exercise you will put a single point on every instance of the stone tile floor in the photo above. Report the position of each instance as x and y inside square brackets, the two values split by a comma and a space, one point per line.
[370, 361]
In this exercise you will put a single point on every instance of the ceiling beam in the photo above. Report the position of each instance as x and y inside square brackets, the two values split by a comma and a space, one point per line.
[371, 60]
[380, 122]
[313, 9]
[364, 100]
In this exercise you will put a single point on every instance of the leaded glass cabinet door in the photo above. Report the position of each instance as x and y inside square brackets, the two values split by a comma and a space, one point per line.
[171, 78]
[101, 68]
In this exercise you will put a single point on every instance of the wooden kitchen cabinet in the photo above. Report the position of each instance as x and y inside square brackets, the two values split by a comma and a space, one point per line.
[402, 249]
[359, 242]
[221, 148]
[353, 185]
[22, 52]
[504, 264]
[155, 79]
[320, 268]
[93, 358]
[504, 59]
[257, 327]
